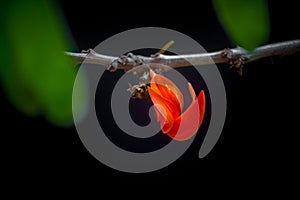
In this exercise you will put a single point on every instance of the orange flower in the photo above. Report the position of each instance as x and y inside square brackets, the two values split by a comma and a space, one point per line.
[168, 105]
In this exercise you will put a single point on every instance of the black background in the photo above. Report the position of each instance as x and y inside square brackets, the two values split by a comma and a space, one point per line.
[258, 143]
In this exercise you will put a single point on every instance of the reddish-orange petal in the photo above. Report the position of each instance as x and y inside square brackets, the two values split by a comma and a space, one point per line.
[168, 104]
[187, 124]
[166, 110]
[167, 89]
[192, 91]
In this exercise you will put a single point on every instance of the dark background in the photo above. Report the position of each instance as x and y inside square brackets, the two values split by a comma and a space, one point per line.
[258, 142]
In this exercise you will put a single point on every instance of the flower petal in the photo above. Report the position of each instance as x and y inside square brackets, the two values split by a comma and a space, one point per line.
[168, 104]
[192, 91]
[164, 108]
[187, 124]
[167, 89]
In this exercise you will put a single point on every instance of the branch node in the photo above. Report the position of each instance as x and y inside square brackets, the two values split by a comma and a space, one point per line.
[236, 60]
[228, 53]
[113, 66]
[125, 62]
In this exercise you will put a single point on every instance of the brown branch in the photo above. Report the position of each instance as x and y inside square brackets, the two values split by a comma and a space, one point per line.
[235, 57]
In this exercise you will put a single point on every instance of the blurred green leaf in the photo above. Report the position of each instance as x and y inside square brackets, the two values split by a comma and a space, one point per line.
[37, 77]
[246, 22]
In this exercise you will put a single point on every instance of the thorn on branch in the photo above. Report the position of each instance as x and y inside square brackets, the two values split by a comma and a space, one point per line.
[156, 55]
[88, 51]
